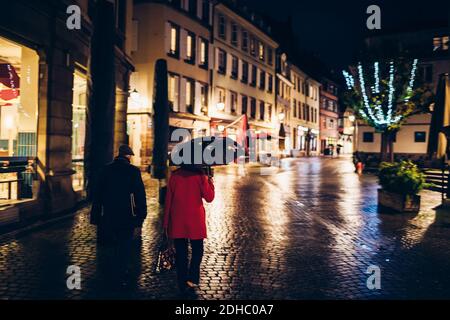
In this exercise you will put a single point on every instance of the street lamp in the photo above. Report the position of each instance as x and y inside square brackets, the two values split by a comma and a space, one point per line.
[351, 118]
[134, 95]
[281, 116]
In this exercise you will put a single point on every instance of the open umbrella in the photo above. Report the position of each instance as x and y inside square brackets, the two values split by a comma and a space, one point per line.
[440, 120]
[206, 151]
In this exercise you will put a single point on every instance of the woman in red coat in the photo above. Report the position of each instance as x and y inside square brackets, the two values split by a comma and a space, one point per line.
[184, 220]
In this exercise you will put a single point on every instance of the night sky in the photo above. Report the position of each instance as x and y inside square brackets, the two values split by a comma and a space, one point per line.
[333, 29]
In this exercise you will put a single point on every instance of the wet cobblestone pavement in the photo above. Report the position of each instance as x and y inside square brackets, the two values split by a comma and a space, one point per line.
[309, 230]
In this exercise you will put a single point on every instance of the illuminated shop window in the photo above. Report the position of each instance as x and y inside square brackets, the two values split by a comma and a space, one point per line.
[19, 68]
[78, 129]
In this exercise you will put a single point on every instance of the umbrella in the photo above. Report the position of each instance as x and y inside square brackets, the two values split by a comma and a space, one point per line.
[206, 151]
[440, 120]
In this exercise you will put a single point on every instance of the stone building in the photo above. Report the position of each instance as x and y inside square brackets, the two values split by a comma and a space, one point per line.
[329, 116]
[44, 102]
[179, 32]
[304, 114]
[243, 77]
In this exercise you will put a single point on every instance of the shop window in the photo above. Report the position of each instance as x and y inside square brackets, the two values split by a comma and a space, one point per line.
[19, 76]
[420, 136]
[368, 137]
[78, 129]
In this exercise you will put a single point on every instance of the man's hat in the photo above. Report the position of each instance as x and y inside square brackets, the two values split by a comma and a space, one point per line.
[125, 150]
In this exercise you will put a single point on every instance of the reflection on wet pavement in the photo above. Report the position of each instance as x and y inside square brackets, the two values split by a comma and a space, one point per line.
[310, 230]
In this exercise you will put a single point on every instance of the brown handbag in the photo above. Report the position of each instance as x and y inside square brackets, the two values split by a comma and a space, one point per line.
[166, 256]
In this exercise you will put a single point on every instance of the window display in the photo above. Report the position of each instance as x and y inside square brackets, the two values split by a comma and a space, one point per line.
[78, 129]
[19, 68]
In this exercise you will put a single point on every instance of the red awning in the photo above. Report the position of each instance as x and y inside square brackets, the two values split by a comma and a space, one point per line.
[8, 76]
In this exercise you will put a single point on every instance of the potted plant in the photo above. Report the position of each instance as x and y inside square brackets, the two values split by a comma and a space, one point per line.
[400, 184]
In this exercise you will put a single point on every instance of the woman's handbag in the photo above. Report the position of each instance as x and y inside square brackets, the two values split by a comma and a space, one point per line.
[166, 256]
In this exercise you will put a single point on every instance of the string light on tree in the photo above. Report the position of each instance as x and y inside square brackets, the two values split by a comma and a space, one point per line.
[391, 90]
[349, 79]
[378, 118]
[411, 79]
[379, 109]
[377, 77]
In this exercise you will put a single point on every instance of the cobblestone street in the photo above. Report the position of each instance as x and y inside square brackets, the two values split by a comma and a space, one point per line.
[309, 230]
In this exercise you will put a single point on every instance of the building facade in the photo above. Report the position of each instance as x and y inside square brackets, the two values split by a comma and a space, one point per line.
[283, 85]
[329, 116]
[243, 77]
[304, 114]
[44, 99]
[347, 131]
[179, 32]
[431, 47]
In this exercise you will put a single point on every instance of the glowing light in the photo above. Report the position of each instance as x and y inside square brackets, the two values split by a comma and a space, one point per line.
[372, 110]
[377, 77]
[391, 91]
[9, 122]
[220, 106]
[349, 80]
[135, 95]
[411, 79]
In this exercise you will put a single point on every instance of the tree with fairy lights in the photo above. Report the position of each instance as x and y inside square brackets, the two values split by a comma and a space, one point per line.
[384, 94]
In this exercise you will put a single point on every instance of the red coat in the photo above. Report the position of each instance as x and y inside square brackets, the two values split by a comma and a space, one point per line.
[184, 214]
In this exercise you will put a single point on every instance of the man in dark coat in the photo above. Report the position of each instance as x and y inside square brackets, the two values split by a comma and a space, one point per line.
[119, 208]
